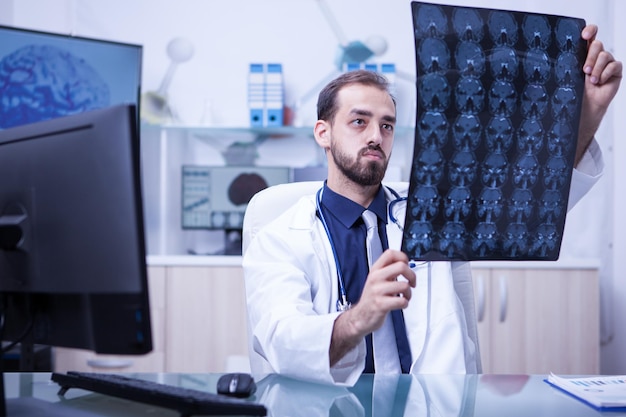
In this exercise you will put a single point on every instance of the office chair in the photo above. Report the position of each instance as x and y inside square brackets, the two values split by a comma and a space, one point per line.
[267, 204]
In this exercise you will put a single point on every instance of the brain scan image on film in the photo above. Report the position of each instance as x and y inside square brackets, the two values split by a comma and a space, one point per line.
[499, 100]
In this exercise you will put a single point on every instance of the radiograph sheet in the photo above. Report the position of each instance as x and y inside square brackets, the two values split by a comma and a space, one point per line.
[499, 98]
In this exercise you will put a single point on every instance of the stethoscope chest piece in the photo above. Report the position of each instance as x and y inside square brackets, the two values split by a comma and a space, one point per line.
[343, 305]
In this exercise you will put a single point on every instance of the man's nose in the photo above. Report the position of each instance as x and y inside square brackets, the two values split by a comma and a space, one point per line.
[375, 135]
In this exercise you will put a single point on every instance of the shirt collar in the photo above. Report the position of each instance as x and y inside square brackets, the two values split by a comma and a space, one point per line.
[347, 211]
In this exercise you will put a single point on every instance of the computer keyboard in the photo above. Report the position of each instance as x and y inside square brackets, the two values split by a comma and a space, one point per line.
[187, 401]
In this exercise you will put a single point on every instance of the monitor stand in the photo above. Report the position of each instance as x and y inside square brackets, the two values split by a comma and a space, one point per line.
[33, 407]
[232, 242]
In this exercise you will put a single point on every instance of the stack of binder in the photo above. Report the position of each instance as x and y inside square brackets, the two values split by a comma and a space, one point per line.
[266, 95]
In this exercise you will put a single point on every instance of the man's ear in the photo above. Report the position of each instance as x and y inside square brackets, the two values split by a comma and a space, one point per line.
[321, 130]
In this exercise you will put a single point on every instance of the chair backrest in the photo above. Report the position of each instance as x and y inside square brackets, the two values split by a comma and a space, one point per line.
[267, 204]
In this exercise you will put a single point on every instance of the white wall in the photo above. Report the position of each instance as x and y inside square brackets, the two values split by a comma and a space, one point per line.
[230, 34]
[6, 13]
[613, 357]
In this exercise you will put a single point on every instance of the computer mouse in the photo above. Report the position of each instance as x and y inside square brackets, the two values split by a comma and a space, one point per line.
[236, 385]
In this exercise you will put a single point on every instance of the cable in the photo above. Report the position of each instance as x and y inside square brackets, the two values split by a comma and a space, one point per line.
[21, 337]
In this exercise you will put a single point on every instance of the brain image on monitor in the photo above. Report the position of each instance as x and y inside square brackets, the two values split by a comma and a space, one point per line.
[244, 186]
[45, 75]
[43, 82]
[216, 197]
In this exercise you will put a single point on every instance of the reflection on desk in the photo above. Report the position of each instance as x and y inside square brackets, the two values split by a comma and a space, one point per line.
[379, 396]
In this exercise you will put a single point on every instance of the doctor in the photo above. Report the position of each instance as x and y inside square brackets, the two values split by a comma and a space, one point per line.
[312, 299]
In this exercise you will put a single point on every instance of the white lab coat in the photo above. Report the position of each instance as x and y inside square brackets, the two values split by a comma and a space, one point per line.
[291, 289]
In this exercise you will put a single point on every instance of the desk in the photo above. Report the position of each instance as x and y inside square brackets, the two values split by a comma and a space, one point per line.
[403, 395]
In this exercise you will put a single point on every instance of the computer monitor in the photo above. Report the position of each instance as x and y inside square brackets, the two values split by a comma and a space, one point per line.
[72, 250]
[216, 197]
[45, 75]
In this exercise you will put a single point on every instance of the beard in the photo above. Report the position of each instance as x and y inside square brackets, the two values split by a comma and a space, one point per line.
[356, 170]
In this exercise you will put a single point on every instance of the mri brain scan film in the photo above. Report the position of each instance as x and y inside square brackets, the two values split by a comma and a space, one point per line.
[499, 101]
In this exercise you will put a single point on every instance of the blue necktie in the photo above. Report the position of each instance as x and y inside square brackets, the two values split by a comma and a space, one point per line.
[374, 250]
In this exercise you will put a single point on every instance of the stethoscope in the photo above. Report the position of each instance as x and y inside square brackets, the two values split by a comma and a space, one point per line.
[342, 302]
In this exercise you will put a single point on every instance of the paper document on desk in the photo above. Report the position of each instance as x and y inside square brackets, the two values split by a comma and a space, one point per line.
[598, 391]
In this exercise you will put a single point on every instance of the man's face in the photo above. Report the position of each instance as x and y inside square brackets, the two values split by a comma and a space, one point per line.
[361, 136]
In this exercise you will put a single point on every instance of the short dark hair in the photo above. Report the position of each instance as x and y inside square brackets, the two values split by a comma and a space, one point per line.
[327, 99]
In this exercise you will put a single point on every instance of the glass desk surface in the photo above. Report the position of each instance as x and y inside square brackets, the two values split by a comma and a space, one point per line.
[401, 395]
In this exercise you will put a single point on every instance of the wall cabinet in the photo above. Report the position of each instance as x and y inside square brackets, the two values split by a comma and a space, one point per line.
[539, 320]
[530, 321]
[198, 322]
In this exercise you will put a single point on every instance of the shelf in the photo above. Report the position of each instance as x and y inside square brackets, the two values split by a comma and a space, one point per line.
[259, 132]
[210, 131]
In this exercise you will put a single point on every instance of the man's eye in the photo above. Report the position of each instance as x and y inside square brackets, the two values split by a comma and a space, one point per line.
[388, 127]
[359, 122]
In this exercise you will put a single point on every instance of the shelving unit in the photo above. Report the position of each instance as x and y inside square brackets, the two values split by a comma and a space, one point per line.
[165, 148]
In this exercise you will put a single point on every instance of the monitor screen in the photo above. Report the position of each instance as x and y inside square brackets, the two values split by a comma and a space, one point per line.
[72, 251]
[47, 75]
[216, 197]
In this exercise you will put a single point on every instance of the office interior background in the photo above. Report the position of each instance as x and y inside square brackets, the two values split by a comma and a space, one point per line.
[210, 89]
